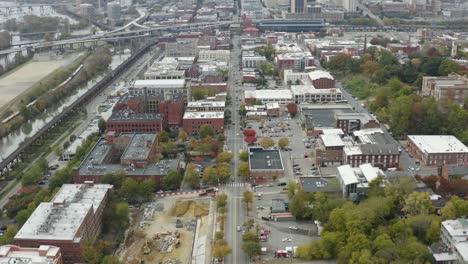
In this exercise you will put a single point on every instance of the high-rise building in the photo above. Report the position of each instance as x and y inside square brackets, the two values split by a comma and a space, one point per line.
[113, 11]
[298, 6]
[350, 5]
[86, 10]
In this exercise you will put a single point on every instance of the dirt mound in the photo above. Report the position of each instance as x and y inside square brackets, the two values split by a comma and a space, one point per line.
[189, 208]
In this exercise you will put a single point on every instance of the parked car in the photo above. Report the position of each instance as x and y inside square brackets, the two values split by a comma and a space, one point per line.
[294, 228]
[282, 184]
[238, 228]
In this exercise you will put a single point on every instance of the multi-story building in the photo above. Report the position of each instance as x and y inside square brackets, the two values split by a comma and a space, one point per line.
[298, 6]
[183, 47]
[453, 87]
[113, 11]
[10, 254]
[130, 121]
[355, 181]
[329, 149]
[205, 106]
[160, 87]
[454, 236]
[350, 5]
[86, 10]
[251, 59]
[291, 77]
[351, 122]
[73, 217]
[308, 94]
[265, 164]
[294, 61]
[282, 97]
[438, 150]
[214, 55]
[192, 121]
[322, 79]
[167, 68]
[134, 153]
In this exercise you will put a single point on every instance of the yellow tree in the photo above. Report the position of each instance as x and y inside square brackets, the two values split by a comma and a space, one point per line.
[267, 142]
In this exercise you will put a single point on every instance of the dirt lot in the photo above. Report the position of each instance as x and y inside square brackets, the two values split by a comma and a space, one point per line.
[158, 219]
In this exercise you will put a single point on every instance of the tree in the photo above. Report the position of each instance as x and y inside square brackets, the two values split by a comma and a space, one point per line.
[206, 131]
[299, 205]
[448, 66]
[248, 198]
[267, 142]
[163, 137]
[375, 187]
[244, 155]
[455, 208]
[111, 260]
[209, 176]
[251, 248]
[102, 126]
[369, 68]
[221, 249]
[250, 136]
[9, 235]
[418, 203]
[291, 189]
[121, 213]
[224, 171]
[221, 138]
[224, 156]
[191, 175]
[283, 142]
[244, 169]
[182, 135]
[292, 109]
[400, 111]
[172, 180]
[130, 189]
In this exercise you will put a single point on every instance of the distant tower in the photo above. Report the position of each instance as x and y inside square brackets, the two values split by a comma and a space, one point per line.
[454, 49]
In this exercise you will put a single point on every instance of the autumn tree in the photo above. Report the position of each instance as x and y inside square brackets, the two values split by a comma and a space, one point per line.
[244, 155]
[244, 169]
[224, 171]
[250, 136]
[221, 249]
[182, 135]
[267, 142]
[283, 142]
[206, 131]
[248, 198]
[224, 156]
[418, 203]
[209, 176]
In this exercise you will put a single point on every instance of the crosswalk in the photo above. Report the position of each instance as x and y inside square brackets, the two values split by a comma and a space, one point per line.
[237, 185]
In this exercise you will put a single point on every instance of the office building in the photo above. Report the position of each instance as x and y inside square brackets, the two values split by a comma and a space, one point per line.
[11, 254]
[438, 150]
[193, 121]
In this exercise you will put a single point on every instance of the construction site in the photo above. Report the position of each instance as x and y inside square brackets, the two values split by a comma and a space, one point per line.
[170, 230]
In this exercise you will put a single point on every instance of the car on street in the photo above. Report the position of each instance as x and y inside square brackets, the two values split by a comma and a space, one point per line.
[294, 228]
[411, 168]
[238, 228]
[282, 184]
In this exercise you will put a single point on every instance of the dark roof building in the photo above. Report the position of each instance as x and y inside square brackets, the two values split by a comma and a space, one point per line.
[265, 163]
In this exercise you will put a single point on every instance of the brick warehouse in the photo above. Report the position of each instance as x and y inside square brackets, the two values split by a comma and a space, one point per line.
[194, 120]
[72, 217]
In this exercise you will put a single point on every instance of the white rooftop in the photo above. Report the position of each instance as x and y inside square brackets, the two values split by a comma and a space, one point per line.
[203, 115]
[346, 173]
[332, 140]
[462, 249]
[458, 229]
[369, 172]
[269, 94]
[314, 75]
[272, 105]
[160, 83]
[310, 89]
[61, 218]
[206, 104]
[20, 255]
[439, 144]
[332, 131]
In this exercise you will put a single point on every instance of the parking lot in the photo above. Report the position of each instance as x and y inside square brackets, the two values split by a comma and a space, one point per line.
[298, 153]
[281, 235]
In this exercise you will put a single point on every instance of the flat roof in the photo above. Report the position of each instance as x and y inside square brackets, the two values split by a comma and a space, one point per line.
[457, 228]
[310, 89]
[61, 218]
[269, 94]
[23, 255]
[265, 159]
[439, 144]
[206, 104]
[462, 249]
[318, 74]
[369, 172]
[333, 131]
[203, 115]
[323, 115]
[332, 140]
[160, 83]
[346, 174]
[127, 115]
[139, 146]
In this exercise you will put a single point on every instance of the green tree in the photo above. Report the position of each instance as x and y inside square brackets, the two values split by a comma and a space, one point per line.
[244, 155]
[182, 135]
[267, 142]
[455, 208]
[248, 198]
[102, 126]
[163, 137]
[221, 249]
[206, 131]
[244, 169]
[400, 111]
[375, 187]
[130, 189]
[121, 212]
[209, 176]
[8, 237]
[283, 142]
[224, 171]
[191, 175]
[418, 203]
[448, 66]
[291, 189]
[251, 248]
[172, 180]
[299, 205]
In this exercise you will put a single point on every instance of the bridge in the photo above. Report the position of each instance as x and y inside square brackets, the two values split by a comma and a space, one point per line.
[9, 162]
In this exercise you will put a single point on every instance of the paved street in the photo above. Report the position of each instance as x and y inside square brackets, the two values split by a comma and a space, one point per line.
[236, 214]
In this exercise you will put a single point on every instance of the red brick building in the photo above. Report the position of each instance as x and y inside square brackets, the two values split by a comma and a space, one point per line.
[129, 121]
[192, 121]
[73, 217]
[437, 150]
[322, 79]
[350, 122]
[252, 31]
[43, 254]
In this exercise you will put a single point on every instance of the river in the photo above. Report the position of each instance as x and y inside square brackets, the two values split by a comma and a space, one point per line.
[10, 143]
